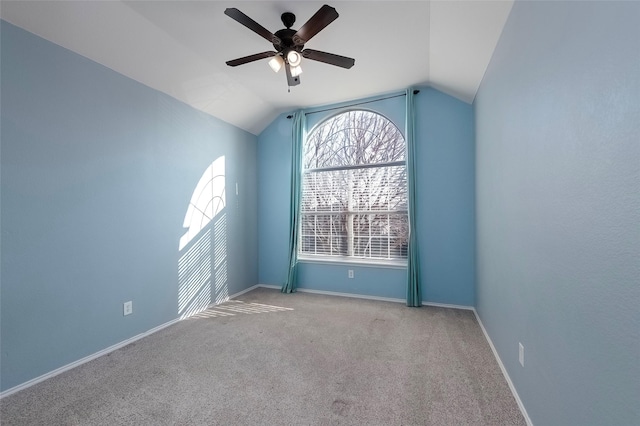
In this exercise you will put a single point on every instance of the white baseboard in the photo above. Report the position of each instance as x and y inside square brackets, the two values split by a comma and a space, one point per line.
[275, 287]
[233, 296]
[504, 372]
[84, 360]
[352, 295]
[446, 305]
[362, 296]
[335, 293]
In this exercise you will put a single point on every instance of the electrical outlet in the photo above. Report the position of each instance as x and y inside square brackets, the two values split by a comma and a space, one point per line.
[350, 273]
[521, 354]
[127, 308]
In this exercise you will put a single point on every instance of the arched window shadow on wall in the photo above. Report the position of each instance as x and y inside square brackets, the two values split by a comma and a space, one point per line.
[202, 264]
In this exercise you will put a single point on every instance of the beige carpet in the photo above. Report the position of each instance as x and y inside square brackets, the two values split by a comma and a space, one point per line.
[274, 359]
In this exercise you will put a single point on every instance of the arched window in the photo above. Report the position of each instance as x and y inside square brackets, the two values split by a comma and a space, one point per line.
[354, 189]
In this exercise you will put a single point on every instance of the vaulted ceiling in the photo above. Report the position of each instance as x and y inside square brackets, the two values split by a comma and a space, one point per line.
[180, 48]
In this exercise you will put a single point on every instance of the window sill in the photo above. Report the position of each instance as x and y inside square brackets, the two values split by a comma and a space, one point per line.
[371, 263]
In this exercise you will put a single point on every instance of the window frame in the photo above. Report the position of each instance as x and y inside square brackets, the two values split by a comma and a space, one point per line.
[395, 263]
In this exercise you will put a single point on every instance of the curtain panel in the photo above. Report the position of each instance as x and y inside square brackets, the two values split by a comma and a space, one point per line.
[298, 134]
[414, 296]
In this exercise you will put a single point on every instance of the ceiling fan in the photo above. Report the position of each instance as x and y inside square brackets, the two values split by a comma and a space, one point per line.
[289, 43]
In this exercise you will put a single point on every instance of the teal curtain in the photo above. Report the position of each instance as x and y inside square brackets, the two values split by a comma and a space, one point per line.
[299, 131]
[414, 297]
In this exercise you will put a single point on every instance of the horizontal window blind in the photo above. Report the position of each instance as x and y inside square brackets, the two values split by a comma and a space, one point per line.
[360, 211]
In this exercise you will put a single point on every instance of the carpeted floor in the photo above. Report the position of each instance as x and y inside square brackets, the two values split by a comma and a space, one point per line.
[272, 359]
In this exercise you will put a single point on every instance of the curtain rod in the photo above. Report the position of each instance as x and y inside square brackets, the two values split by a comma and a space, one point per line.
[415, 92]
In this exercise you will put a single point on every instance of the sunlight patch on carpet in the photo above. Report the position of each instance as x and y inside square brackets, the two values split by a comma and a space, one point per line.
[234, 307]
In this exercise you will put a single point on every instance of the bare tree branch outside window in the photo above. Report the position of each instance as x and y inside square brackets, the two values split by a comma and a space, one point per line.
[354, 194]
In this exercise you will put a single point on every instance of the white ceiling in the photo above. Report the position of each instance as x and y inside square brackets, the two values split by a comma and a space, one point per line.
[180, 48]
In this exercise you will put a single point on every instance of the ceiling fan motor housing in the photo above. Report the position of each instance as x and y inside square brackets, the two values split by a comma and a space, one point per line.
[286, 41]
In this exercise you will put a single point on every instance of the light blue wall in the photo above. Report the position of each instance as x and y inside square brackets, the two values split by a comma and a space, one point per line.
[445, 206]
[97, 172]
[558, 209]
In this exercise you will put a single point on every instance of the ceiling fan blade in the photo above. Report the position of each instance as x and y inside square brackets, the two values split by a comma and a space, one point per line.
[250, 58]
[323, 17]
[329, 58]
[291, 80]
[235, 14]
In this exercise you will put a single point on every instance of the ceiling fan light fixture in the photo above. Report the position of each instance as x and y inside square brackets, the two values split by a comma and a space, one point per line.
[296, 71]
[294, 58]
[276, 63]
